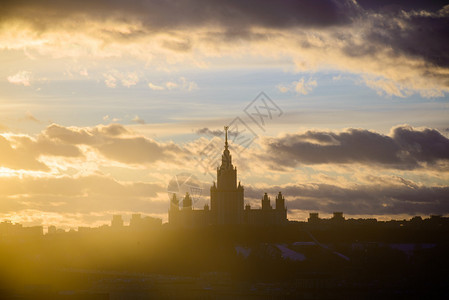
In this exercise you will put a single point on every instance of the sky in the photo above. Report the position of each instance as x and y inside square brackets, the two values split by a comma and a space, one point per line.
[341, 105]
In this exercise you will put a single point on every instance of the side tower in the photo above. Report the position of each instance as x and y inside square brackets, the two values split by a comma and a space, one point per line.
[173, 212]
[187, 202]
[266, 205]
[281, 210]
[226, 197]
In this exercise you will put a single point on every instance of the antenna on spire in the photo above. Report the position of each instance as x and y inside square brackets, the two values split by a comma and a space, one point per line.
[226, 136]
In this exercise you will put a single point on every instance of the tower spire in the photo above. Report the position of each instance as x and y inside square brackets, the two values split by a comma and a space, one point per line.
[226, 136]
[226, 160]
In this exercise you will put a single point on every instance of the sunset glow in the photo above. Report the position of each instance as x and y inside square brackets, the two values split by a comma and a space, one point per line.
[102, 103]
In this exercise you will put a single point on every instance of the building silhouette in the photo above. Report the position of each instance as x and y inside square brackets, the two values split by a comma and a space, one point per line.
[227, 202]
[117, 221]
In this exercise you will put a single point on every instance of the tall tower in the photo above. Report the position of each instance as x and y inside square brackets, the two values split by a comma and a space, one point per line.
[226, 197]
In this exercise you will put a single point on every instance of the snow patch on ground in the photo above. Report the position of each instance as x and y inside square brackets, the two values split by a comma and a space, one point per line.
[244, 251]
[290, 254]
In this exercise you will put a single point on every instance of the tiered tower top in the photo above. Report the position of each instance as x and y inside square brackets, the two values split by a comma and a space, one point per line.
[226, 158]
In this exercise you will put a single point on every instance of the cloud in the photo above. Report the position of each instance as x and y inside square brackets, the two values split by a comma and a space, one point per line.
[301, 86]
[138, 120]
[110, 80]
[181, 84]
[398, 5]
[155, 87]
[117, 143]
[112, 143]
[171, 85]
[392, 88]
[108, 118]
[188, 85]
[138, 150]
[178, 46]
[20, 78]
[18, 158]
[191, 13]
[83, 72]
[130, 79]
[403, 46]
[220, 134]
[416, 33]
[207, 131]
[23, 153]
[404, 148]
[126, 79]
[304, 88]
[388, 87]
[30, 117]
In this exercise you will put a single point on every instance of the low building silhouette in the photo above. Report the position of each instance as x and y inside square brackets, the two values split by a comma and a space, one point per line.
[227, 202]
[9, 229]
[138, 222]
[117, 221]
[338, 217]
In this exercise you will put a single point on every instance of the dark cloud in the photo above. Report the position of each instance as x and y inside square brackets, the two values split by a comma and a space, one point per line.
[414, 28]
[216, 132]
[406, 148]
[403, 197]
[422, 146]
[137, 150]
[22, 152]
[113, 141]
[117, 143]
[419, 34]
[398, 5]
[207, 131]
[69, 135]
[161, 14]
[113, 130]
[178, 46]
